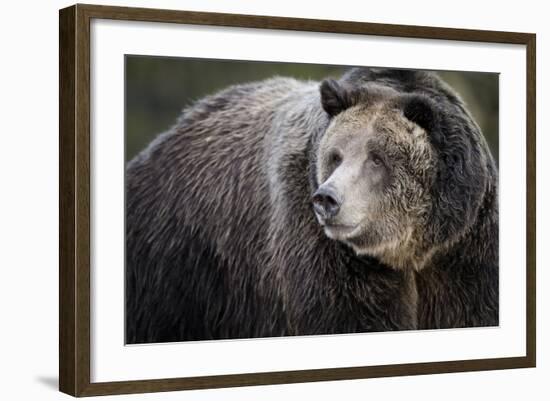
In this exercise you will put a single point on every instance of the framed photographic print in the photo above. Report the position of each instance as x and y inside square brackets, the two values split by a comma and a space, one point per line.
[251, 200]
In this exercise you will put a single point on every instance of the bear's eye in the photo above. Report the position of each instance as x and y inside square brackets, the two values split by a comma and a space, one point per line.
[376, 160]
[335, 159]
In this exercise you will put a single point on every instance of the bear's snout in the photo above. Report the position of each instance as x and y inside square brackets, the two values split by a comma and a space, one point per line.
[326, 203]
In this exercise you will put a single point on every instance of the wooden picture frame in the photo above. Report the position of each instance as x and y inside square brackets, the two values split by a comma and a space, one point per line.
[74, 204]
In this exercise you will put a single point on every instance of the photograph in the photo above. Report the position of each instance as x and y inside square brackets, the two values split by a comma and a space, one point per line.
[269, 199]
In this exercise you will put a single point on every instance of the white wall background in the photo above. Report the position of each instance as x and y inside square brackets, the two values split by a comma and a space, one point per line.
[29, 185]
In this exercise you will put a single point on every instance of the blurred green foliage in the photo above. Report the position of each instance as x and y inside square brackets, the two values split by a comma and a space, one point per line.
[159, 88]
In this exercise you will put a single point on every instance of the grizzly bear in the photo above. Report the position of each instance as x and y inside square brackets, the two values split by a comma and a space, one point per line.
[285, 207]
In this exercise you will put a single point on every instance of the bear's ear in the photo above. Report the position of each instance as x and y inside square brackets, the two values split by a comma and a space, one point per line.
[422, 111]
[334, 98]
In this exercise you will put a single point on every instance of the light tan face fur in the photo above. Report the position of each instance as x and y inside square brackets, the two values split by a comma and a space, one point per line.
[381, 165]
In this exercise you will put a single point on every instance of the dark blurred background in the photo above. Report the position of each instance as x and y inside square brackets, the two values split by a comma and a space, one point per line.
[158, 88]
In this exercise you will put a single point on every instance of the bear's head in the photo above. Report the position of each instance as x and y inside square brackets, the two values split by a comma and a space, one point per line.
[398, 174]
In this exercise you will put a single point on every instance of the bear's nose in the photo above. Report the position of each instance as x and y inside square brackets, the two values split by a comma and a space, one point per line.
[326, 203]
